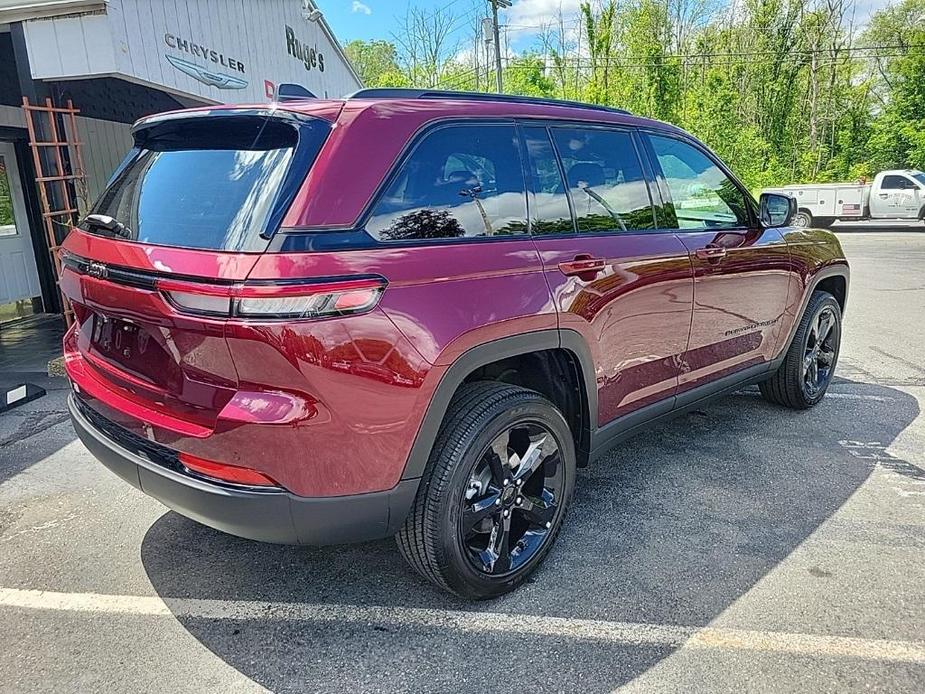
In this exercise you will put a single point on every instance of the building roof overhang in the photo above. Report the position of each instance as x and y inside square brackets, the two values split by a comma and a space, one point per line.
[22, 10]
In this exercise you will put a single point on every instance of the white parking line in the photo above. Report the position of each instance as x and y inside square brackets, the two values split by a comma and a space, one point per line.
[624, 633]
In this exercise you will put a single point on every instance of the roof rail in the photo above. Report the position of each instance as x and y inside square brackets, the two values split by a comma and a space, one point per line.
[404, 93]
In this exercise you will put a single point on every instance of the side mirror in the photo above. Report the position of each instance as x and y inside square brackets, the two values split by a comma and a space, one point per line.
[776, 210]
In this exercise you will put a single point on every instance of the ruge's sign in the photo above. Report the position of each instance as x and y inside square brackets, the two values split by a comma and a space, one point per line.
[310, 56]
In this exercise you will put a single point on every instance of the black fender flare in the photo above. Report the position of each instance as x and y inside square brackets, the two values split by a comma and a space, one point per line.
[840, 269]
[487, 353]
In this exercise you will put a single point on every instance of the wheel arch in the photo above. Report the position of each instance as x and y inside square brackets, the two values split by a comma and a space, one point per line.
[832, 278]
[837, 286]
[567, 343]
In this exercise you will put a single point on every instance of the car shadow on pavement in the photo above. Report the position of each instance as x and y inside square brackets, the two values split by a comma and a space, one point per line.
[671, 528]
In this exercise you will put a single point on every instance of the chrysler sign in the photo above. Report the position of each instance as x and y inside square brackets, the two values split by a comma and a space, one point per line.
[206, 75]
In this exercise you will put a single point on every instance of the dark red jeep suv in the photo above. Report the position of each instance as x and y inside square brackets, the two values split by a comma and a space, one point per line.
[417, 313]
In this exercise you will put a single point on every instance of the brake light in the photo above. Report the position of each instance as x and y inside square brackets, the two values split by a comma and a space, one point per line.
[222, 472]
[317, 299]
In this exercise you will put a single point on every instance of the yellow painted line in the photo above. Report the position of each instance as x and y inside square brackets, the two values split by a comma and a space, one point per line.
[623, 633]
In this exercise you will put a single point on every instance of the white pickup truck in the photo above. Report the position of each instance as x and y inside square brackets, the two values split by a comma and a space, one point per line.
[897, 194]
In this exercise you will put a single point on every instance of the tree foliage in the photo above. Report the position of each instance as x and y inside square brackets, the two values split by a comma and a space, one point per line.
[376, 63]
[784, 90]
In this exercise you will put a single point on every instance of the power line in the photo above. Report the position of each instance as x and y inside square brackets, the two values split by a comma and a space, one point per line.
[668, 61]
[801, 52]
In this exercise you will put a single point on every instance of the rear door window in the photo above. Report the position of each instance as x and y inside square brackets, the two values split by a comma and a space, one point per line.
[605, 179]
[210, 182]
[460, 181]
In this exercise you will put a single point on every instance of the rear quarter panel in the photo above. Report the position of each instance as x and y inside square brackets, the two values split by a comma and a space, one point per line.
[371, 377]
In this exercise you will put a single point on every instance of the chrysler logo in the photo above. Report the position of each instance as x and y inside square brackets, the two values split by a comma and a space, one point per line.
[213, 79]
[97, 270]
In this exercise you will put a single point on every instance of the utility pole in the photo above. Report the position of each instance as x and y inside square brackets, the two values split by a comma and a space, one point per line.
[494, 16]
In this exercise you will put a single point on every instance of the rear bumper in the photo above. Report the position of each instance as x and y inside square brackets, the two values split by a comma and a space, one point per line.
[267, 516]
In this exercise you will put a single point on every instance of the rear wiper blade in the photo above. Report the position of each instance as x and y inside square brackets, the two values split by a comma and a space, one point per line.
[110, 224]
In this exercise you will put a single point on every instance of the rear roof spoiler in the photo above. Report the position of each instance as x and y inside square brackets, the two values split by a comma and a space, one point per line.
[288, 91]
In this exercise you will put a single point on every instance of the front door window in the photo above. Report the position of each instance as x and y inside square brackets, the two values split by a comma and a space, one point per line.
[702, 195]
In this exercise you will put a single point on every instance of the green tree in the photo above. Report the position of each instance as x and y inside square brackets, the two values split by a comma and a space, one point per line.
[376, 62]
[897, 136]
[527, 75]
[786, 91]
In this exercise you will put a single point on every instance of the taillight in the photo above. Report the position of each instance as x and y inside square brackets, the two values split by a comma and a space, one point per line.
[233, 474]
[316, 299]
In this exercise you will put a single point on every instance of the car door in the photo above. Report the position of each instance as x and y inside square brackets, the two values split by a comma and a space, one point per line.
[741, 270]
[896, 197]
[908, 201]
[19, 279]
[625, 287]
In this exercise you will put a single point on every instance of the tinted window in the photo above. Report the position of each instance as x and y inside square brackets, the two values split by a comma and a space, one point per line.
[702, 195]
[460, 181]
[896, 183]
[208, 183]
[920, 177]
[605, 179]
[549, 210]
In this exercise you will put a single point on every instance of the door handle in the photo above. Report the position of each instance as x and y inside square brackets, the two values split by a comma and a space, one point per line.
[712, 254]
[584, 266]
[883, 195]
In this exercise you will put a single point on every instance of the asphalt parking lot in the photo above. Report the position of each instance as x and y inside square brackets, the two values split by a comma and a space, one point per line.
[742, 547]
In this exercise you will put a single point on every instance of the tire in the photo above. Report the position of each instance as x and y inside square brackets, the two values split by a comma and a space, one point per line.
[803, 219]
[793, 384]
[437, 539]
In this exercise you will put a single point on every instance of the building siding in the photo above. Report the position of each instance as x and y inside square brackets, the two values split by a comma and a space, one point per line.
[105, 144]
[133, 38]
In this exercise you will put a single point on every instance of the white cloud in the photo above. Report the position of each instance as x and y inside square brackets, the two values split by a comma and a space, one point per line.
[526, 18]
[359, 7]
[528, 14]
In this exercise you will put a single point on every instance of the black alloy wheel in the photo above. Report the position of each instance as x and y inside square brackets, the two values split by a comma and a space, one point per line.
[803, 378]
[820, 351]
[512, 499]
[494, 493]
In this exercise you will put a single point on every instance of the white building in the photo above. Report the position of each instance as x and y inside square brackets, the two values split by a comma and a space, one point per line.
[119, 60]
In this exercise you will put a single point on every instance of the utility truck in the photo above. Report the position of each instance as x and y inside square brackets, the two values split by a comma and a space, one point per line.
[896, 194]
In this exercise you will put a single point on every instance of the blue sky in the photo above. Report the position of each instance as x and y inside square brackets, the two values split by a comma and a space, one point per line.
[379, 19]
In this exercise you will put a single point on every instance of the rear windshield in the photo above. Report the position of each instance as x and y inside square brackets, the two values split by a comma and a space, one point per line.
[218, 183]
